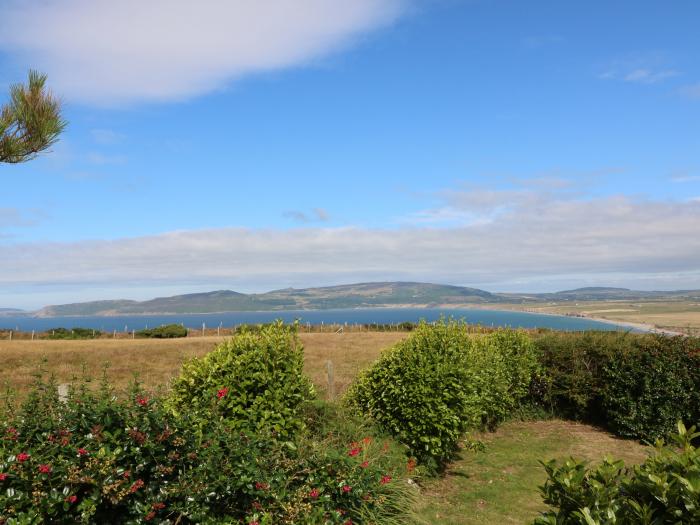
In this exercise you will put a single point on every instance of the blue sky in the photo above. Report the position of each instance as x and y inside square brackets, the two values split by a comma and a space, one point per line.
[493, 143]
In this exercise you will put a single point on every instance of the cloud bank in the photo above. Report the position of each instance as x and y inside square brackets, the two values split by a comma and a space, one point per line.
[107, 52]
[520, 238]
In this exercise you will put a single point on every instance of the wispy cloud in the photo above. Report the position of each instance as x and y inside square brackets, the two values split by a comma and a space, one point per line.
[316, 215]
[14, 217]
[108, 52]
[647, 69]
[648, 76]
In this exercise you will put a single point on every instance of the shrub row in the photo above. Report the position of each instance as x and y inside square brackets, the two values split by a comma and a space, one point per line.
[638, 386]
[167, 331]
[442, 381]
[664, 489]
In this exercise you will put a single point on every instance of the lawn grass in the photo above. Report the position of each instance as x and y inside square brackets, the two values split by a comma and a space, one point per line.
[500, 485]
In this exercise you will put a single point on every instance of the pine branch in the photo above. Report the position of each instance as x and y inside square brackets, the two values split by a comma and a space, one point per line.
[30, 122]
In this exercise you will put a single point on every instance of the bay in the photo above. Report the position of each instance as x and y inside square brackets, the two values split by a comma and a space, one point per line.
[502, 318]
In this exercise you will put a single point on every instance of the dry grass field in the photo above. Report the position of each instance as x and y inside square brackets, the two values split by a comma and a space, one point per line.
[676, 316]
[156, 361]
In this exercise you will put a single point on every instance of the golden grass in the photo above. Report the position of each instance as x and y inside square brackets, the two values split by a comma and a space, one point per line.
[156, 361]
[678, 316]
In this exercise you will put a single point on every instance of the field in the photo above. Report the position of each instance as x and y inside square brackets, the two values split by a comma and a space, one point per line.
[155, 361]
[499, 486]
[675, 316]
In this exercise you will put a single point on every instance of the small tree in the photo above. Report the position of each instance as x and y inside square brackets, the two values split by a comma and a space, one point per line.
[30, 122]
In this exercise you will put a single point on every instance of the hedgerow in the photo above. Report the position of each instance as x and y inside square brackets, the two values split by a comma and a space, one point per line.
[442, 381]
[168, 331]
[637, 386]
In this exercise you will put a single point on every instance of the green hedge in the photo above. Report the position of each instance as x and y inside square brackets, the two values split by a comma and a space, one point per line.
[636, 385]
[442, 381]
[663, 489]
[167, 331]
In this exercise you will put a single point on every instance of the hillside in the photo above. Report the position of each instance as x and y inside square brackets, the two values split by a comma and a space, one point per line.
[11, 312]
[344, 296]
[362, 295]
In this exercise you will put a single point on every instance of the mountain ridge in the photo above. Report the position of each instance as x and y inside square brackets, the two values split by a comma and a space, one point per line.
[357, 295]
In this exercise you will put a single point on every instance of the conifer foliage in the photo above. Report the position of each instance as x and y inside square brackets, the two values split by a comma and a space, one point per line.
[30, 122]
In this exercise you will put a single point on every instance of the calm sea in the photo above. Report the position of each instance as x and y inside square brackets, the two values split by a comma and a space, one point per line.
[314, 317]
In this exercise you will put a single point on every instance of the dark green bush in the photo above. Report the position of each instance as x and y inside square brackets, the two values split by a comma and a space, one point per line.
[648, 390]
[72, 333]
[255, 380]
[167, 331]
[664, 489]
[636, 385]
[431, 388]
[573, 364]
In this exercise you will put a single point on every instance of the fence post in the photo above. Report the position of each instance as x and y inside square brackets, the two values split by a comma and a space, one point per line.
[10, 335]
[63, 392]
[32, 335]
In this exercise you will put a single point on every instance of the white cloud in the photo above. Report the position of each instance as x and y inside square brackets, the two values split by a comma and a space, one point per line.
[106, 51]
[549, 239]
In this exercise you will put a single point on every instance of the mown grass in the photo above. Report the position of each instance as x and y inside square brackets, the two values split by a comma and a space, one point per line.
[498, 486]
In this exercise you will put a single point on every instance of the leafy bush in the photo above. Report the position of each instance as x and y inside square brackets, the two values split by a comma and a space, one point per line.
[72, 333]
[664, 489]
[647, 391]
[167, 331]
[254, 380]
[100, 459]
[431, 388]
[636, 385]
[573, 364]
